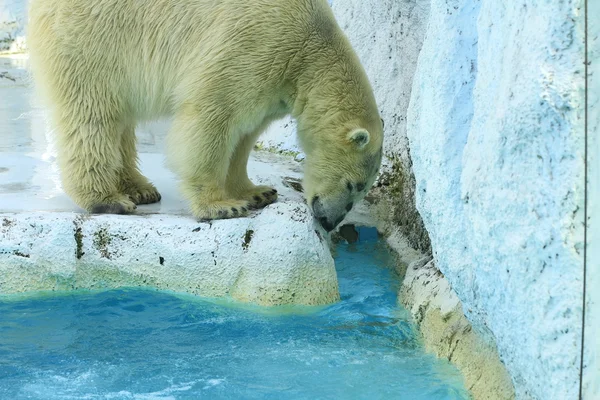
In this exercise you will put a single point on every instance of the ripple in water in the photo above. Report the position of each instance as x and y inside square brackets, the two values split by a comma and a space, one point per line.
[144, 344]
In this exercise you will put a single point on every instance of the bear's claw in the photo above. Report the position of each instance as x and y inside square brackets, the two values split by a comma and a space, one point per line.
[146, 194]
[221, 210]
[261, 196]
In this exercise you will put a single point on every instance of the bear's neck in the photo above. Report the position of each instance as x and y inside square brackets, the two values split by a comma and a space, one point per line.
[331, 90]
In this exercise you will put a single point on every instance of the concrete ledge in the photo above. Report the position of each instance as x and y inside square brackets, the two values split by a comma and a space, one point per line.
[255, 259]
[448, 334]
[445, 330]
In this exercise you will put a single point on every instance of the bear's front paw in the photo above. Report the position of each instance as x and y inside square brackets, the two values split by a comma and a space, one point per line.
[144, 195]
[221, 210]
[118, 204]
[261, 196]
[141, 192]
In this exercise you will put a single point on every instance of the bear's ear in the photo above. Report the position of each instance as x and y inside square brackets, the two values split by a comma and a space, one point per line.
[359, 137]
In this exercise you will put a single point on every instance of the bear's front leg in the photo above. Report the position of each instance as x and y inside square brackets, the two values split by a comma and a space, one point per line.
[131, 181]
[238, 183]
[201, 151]
[90, 161]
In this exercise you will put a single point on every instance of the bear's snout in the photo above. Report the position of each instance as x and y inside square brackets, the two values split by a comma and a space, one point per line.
[328, 217]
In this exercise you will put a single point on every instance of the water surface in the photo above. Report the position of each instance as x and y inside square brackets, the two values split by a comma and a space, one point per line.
[145, 344]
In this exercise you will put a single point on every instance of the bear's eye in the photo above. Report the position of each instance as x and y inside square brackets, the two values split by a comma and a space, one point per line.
[360, 186]
[349, 186]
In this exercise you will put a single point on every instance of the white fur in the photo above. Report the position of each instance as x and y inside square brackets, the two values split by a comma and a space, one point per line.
[224, 70]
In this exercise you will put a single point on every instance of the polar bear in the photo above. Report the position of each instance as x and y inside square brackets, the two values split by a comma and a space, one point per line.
[224, 70]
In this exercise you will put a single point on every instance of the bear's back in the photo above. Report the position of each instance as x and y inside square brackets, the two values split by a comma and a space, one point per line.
[155, 50]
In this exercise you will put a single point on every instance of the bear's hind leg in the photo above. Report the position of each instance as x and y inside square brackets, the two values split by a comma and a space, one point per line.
[131, 180]
[238, 183]
[201, 151]
[90, 160]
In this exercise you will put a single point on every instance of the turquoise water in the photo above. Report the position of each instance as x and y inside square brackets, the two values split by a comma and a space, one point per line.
[145, 344]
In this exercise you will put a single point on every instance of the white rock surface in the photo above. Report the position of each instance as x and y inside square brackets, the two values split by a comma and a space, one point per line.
[591, 372]
[496, 137]
[272, 258]
[447, 333]
[13, 18]
[281, 137]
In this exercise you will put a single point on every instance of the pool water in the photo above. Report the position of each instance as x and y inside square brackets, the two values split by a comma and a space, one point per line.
[145, 344]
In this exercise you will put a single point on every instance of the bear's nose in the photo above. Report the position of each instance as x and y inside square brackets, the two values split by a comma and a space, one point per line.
[325, 219]
[328, 226]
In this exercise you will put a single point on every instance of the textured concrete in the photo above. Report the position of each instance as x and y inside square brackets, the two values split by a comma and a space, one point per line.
[272, 258]
[448, 334]
[445, 330]
[495, 126]
[591, 372]
[13, 17]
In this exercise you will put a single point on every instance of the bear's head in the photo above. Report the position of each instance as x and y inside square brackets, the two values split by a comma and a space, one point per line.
[340, 169]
